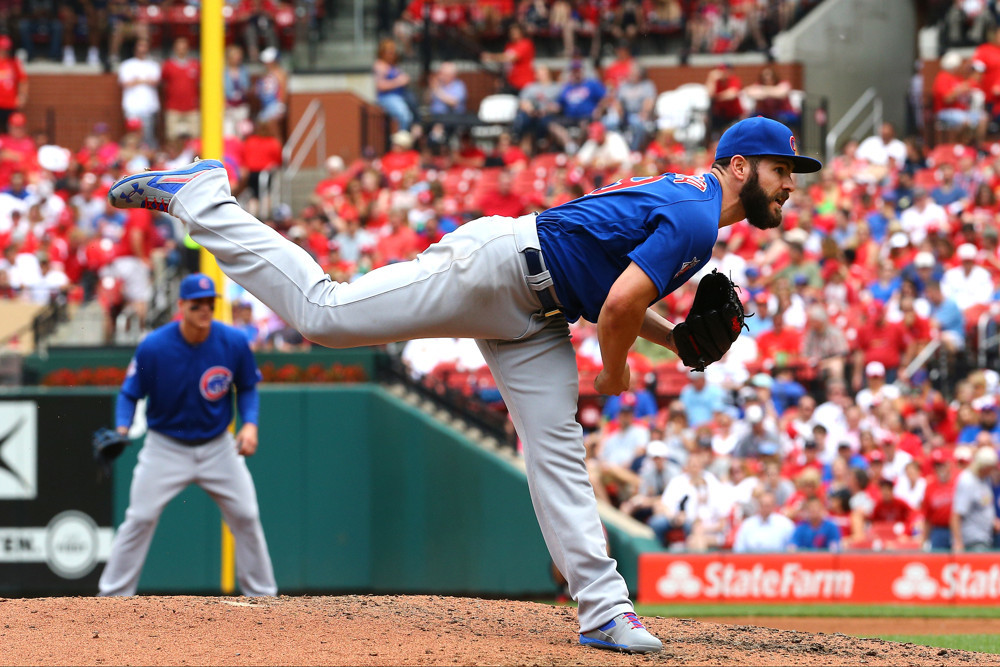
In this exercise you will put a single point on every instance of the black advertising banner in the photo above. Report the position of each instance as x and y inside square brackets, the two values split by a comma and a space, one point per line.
[55, 510]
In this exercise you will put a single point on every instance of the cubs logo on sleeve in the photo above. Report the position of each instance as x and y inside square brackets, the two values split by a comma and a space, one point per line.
[214, 383]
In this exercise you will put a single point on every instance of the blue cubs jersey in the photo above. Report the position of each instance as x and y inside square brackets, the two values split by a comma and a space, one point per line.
[189, 387]
[666, 224]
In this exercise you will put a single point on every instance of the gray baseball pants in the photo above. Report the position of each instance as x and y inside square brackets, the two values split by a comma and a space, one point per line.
[474, 283]
[166, 468]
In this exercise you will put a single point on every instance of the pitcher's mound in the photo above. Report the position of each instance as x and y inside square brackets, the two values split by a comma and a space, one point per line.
[395, 630]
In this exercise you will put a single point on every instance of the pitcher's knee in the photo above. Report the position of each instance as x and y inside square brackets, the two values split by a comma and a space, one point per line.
[243, 519]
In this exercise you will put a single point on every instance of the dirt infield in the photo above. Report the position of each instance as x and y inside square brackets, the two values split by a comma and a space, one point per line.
[406, 630]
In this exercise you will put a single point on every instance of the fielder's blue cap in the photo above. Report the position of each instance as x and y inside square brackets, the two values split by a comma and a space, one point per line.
[761, 136]
[197, 286]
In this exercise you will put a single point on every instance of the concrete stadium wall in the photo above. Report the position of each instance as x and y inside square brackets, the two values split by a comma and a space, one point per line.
[848, 46]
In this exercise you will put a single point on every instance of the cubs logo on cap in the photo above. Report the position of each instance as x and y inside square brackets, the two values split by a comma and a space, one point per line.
[764, 137]
[197, 286]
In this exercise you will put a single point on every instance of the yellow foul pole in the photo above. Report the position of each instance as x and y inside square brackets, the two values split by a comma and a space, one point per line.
[213, 34]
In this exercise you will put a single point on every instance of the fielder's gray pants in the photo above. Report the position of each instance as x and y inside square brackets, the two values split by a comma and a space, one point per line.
[166, 468]
[473, 284]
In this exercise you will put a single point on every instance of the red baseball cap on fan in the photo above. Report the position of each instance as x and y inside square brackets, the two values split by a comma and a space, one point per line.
[5, 42]
[17, 119]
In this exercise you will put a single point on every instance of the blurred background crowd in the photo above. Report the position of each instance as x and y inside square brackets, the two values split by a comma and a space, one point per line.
[861, 409]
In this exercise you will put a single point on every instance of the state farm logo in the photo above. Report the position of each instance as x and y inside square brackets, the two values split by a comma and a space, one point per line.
[726, 580]
[957, 581]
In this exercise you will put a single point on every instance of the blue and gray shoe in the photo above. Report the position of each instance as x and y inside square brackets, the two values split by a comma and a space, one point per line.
[155, 189]
[625, 633]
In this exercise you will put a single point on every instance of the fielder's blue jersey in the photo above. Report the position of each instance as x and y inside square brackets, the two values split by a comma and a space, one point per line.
[190, 386]
[666, 224]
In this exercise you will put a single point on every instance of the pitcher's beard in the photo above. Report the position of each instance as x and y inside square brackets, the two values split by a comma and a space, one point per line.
[757, 205]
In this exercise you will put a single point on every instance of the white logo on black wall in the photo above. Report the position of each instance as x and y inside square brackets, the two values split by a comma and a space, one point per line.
[18, 450]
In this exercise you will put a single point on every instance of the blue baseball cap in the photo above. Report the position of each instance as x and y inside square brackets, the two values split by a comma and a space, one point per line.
[197, 286]
[761, 136]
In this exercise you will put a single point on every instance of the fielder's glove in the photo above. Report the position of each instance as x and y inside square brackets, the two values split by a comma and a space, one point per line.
[713, 323]
[108, 445]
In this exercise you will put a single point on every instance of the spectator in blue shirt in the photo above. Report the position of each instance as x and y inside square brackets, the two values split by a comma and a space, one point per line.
[888, 281]
[701, 400]
[640, 400]
[447, 91]
[948, 316]
[921, 270]
[579, 100]
[816, 532]
[949, 192]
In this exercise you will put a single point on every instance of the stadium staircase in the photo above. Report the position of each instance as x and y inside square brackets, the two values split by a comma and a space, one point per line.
[344, 39]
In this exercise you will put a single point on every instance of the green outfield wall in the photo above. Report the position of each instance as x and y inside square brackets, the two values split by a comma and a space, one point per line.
[361, 492]
[358, 491]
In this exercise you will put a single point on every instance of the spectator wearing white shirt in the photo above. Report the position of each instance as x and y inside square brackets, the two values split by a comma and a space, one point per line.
[766, 531]
[923, 217]
[896, 459]
[911, 486]
[604, 149]
[967, 284]
[139, 77]
[878, 390]
[879, 148]
[51, 281]
[697, 502]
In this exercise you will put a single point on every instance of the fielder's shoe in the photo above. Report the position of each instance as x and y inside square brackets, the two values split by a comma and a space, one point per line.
[155, 189]
[626, 633]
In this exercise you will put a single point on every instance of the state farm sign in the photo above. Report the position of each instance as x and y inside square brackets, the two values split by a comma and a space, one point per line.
[808, 577]
[728, 580]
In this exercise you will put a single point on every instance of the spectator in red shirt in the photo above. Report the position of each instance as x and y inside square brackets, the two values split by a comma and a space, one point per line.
[401, 157]
[262, 155]
[936, 508]
[98, 152]
[890, 509]
[986, 60]
[951, 95]
[181, 81]
[619, 68]
[518, 58]
[400, 243]
[879, 340]
[468, 154]
[781, 346]
[507, 154]
[724, 89]
[13, 83]
[335, 182]
[502, 201]
[17, 151]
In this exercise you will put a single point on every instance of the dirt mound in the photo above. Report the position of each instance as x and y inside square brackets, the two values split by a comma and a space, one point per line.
[394, 630]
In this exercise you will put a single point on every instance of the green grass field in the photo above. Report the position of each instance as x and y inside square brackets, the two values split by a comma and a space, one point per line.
[982, 643]
[973, 642]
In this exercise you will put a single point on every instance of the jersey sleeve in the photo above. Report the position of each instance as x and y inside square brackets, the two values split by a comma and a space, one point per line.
[135, 385]
[674, 252]
[246, 372]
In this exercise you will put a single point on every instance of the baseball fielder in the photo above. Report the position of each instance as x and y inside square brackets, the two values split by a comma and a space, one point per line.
[188, 370]
[513, 284]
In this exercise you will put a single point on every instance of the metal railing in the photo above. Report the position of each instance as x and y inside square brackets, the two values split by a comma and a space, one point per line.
[309, 133]
[864, 116]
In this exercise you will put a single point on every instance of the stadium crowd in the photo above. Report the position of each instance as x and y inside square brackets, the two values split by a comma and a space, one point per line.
[860, 411]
